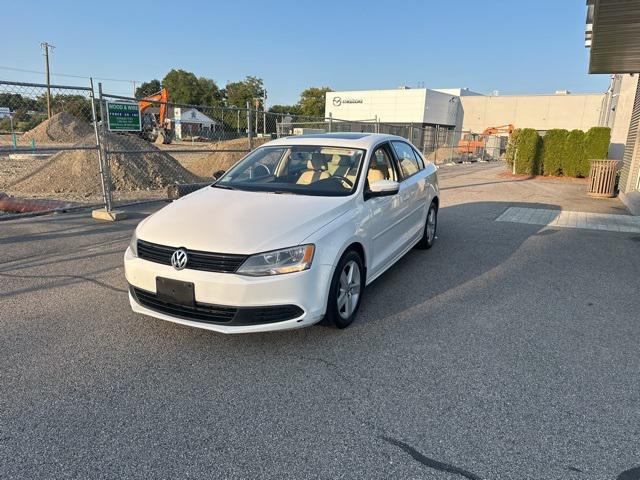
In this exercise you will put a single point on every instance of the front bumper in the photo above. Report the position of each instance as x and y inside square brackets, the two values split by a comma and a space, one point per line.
[307, 290]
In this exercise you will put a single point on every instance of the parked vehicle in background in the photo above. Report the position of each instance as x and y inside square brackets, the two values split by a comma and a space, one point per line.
[288, 236]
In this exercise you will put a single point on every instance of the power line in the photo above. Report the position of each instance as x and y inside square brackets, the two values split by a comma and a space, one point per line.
[69, 75]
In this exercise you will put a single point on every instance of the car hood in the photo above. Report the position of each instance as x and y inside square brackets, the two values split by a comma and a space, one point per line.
[235, 221]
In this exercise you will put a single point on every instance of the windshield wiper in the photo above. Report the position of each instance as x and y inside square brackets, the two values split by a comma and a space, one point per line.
[226, 187]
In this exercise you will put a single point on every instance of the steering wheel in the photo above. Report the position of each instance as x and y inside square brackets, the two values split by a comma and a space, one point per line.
[255, 170]
[344, 179]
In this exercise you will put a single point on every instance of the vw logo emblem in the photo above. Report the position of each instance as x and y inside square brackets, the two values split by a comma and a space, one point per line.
[337, 101]
[179, 259]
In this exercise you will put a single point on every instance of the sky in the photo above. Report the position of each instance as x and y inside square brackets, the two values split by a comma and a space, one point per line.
[514, 47]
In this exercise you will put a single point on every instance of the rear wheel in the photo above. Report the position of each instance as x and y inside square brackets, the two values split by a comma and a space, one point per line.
[430, 226]
[345, 294]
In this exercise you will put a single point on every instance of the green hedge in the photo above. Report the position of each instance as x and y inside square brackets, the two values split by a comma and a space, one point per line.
[512, 145]
[573, 163]
[596, 143]
[559, 152]
[554, 145]
[527, 156]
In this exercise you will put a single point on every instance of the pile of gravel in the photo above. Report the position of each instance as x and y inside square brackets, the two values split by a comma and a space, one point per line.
[207, 164]
[60, 128]
[76, 171]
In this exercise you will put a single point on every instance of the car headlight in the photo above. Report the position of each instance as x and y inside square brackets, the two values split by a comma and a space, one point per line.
[133, 244]
[276, 262]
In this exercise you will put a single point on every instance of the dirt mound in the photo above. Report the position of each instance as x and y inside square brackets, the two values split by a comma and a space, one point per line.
[207, 164]
[60, 128]
[77, 170]
[443, 154]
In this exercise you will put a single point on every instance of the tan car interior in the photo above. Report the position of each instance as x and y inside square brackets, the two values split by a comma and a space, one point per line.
[316, 170]
[323, 166]
[380, 167]
[320, 168]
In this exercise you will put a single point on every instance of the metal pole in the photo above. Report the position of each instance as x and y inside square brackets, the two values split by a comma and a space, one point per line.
[221, 122]
[330, 122]
[264, 114]
[256, 130]
[102, 153]
[46, 47]
[13, 134]
[249, 124]
[238, 110]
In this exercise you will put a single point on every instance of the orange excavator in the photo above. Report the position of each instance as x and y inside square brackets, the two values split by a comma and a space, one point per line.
[152, 127]
[474, 143]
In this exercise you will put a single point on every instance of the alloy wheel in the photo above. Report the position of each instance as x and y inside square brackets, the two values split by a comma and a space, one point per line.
[349, 289]
[431, 224]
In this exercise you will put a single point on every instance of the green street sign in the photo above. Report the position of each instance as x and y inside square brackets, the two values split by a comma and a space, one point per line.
[123, 116]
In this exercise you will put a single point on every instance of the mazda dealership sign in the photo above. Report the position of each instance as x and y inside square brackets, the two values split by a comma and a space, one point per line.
[337, 101]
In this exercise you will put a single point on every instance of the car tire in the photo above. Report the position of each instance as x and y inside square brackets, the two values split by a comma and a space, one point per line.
[345, 292]
[430, 228]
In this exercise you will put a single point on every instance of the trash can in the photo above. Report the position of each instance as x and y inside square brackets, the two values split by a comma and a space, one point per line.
[602, 178]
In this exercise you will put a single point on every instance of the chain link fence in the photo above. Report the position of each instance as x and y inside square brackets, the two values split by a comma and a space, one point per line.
[58, 152]
[49, 148]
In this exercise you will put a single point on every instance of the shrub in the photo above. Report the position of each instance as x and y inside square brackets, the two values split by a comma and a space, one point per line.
[574, 164]
[553, 151]
[511, 147]
[527, 156]
[596, 142]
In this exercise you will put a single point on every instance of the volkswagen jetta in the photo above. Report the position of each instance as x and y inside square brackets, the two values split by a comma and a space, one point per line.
[289, 236]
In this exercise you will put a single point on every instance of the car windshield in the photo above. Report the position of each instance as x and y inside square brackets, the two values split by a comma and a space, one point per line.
[296, 169]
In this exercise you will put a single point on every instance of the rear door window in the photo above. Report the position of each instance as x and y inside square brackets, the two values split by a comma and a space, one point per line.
[406, 158]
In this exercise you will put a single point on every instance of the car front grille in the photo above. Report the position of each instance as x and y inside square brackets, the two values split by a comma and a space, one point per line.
[217, 314]
[196, 260]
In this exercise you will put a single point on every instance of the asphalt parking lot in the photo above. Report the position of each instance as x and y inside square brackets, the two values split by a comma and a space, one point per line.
[508, 351]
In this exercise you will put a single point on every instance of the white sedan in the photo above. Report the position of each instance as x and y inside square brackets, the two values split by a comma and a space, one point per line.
[287, 237]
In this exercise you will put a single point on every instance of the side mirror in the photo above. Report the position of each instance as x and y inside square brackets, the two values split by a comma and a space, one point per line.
[382, 188]
[218, 174]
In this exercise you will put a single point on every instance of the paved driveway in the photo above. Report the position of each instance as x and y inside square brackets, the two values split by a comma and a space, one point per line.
[508, 351]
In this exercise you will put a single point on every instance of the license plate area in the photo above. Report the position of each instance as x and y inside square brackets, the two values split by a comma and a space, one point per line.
[175, 291]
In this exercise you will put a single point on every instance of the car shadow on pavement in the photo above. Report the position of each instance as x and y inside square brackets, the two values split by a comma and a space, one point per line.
[469, 244]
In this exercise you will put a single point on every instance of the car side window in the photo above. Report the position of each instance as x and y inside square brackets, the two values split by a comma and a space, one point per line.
[381, 166]
[407, 159]
[419, 157]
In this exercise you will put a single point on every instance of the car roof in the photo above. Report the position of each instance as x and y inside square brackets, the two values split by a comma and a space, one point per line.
[345, 139]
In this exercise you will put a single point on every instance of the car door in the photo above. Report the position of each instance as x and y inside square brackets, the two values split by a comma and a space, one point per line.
[384, 215]
[413, 191]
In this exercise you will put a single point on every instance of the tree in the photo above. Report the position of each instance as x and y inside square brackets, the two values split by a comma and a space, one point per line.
[574, 162]
[312, 101]
[148, 88]
[554, 146]
[512, 146]
[527, 155]
[286, 109]
[210, 94]
[596, 143]
[183, 87]
[239, 93]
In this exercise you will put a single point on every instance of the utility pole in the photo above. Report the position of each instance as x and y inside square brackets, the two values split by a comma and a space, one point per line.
[45, 46]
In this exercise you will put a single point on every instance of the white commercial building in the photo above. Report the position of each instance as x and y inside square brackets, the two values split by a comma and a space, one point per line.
[418, 106]
[461, 109]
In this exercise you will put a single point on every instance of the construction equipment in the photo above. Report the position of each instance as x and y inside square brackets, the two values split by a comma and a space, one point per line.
[152, 127]
[474, 143]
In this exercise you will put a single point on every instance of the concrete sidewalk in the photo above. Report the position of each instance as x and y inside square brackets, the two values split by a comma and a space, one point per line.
[484, 182]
